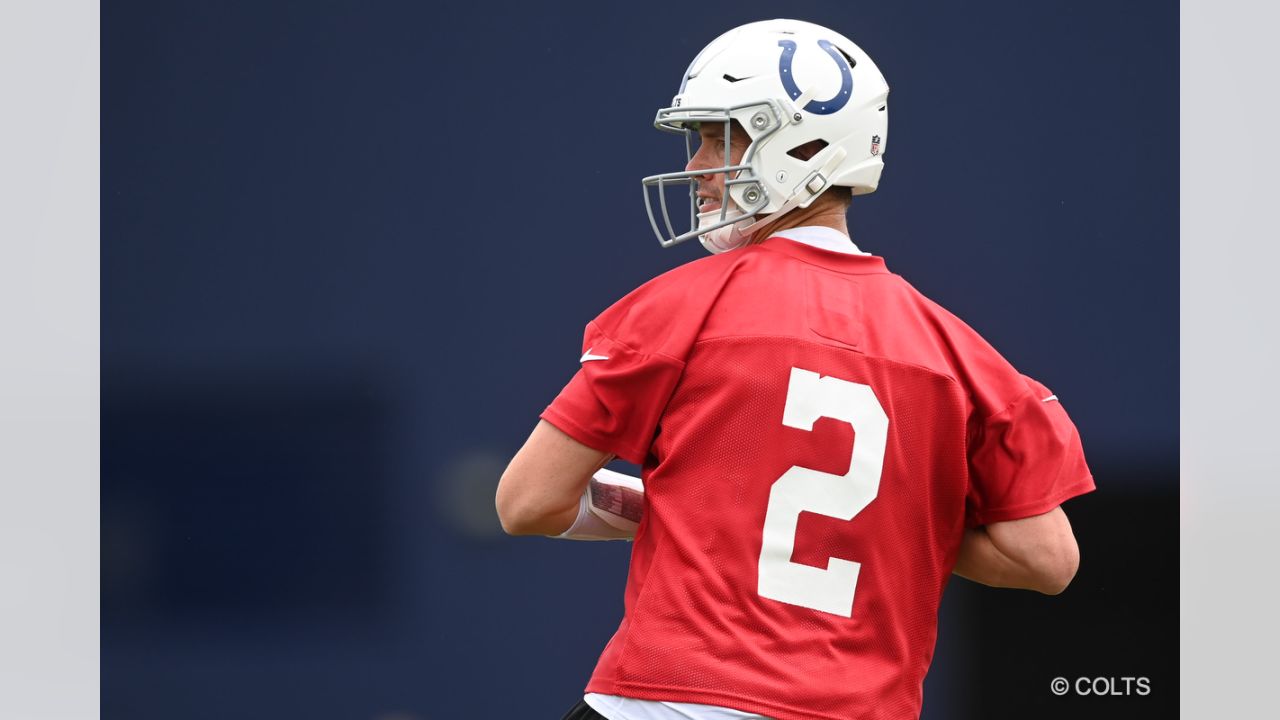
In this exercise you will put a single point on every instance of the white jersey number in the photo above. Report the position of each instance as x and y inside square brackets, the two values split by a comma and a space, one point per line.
[809, 397]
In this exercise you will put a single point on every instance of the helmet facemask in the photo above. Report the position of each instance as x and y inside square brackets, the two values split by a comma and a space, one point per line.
[744, 195]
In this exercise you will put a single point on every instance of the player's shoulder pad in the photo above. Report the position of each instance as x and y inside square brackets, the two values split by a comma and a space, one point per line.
[664, 314]
[990, 380]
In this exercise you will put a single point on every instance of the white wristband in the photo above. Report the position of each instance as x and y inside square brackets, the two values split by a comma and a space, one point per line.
[610, 509]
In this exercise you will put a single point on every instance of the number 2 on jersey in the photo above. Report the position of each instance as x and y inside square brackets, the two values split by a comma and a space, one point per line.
[811, 396]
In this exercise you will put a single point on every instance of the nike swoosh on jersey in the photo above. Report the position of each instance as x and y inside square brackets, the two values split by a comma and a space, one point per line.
[587, 356]
[1051, 397]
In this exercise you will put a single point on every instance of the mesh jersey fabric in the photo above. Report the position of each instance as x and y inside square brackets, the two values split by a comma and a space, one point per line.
[693, 388]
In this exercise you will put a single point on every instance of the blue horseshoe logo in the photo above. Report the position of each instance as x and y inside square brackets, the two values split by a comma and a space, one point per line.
[817, 107]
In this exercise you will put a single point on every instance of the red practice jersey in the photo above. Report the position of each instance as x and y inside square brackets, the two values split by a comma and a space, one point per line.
[815, 435]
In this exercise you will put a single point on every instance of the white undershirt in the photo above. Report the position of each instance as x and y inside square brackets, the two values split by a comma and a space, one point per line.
[617, 707]
[821, 237]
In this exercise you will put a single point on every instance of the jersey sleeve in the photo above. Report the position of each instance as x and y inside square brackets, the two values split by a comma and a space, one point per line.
[1024, 460]
[633, 357]
[613, 403]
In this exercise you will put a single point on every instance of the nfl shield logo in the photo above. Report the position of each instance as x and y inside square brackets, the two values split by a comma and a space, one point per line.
[875, 144]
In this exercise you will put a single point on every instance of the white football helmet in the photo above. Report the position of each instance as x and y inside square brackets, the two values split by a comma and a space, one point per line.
[787, 83]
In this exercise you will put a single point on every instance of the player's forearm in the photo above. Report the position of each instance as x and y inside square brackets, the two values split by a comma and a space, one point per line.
[982, 561]
[550, 522]
[538, 493]
[531, 505]
[1036, 553]
[609, 509]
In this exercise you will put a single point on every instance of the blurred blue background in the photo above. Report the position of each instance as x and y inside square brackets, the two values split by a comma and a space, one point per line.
[347, 253]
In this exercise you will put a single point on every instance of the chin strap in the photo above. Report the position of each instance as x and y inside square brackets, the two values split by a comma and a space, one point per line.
[803, 99]
[805, 193]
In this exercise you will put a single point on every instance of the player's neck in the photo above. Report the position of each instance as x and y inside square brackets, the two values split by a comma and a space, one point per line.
[819, 214]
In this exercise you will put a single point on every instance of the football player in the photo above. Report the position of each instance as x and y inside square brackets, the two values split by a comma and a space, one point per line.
[821, 445]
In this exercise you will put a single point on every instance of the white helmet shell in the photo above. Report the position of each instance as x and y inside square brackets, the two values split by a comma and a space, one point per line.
[787, 83]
